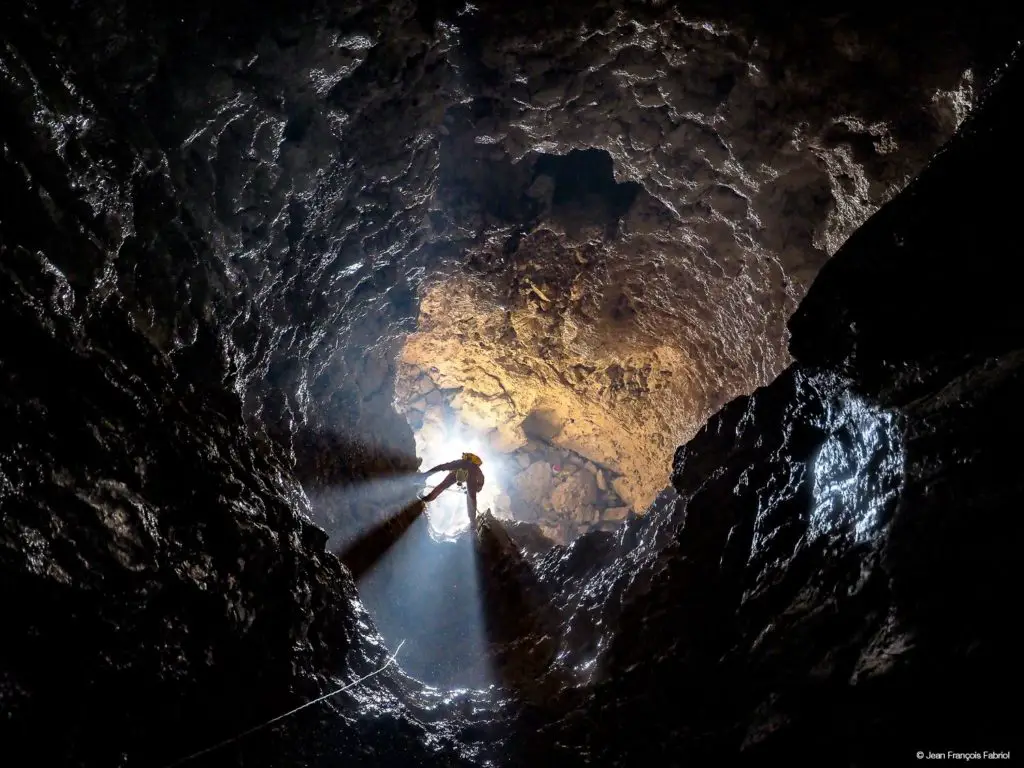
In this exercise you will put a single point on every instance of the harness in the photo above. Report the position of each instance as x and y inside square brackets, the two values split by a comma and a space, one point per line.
[462, 477]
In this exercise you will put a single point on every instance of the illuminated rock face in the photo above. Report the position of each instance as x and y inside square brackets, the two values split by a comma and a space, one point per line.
[827, 572]
[308, 168]
[638, 231]
[644, 198]
[528, 477]
[218, 225]
[512, 393]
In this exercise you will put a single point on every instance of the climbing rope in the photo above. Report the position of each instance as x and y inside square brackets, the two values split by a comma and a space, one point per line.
[458, 488]
[279, 718]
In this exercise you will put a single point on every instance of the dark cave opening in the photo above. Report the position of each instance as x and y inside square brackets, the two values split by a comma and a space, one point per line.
[584, 175]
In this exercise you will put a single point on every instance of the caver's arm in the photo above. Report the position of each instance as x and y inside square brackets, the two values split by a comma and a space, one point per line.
[450, 466]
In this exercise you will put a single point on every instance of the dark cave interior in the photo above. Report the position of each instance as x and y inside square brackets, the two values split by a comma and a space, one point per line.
[583, 174]
[720, 294]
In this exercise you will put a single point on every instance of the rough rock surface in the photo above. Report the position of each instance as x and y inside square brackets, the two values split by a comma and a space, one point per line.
[534, 481]
[214, 224]
[829, 572]
[307, 167]
[646, 192]
[163, 586]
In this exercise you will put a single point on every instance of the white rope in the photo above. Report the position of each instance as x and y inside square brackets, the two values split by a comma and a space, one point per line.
[243, 734]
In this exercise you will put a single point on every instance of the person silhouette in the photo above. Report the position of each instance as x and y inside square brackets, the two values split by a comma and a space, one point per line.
[466, 472]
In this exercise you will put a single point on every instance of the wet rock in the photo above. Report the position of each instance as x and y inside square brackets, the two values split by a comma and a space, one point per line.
[772, 152]
[804, 578]
[216, 227]
[158, 517]
[808, 513]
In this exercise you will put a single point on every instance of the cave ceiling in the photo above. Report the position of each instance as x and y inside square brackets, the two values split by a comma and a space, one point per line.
[593, 217]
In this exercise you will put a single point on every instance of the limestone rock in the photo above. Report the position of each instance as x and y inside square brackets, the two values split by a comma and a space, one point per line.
[535, 484]
[625, 488]
[424, 385]
[616, 513]
[643, 231]
[576, 491]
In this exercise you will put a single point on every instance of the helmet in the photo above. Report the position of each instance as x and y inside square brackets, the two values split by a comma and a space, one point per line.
[473, 457]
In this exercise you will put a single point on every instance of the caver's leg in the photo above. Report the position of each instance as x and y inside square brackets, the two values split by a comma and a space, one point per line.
[471, 506]
[441, 487]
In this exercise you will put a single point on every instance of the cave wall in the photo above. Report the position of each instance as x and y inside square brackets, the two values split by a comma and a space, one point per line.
[234, 169]
[529, 476]
[166, 589]
[645, 192]
[307, 166]
[168, 340]
[830, 570]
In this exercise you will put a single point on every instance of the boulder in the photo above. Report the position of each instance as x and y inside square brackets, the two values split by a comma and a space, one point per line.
[423, 386]
[616, 513]
[574, 492]
[622, 487]
[535, 484]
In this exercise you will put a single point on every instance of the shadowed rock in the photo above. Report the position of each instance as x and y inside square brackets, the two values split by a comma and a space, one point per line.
[216, 225]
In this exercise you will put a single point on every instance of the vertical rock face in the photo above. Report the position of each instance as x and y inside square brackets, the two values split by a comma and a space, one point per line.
[827, 573]
[646, 191]
[528, 477]
[232, 168]
[639, 197]
[164, 588]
